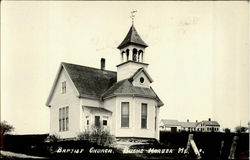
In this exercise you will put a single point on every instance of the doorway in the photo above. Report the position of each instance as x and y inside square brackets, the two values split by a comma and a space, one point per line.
[97, 121]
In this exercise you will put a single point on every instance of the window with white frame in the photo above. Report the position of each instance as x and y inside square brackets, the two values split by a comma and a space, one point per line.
[63, 87]
[125, 114]
[64, 119]
[144, 108]
[104, 121]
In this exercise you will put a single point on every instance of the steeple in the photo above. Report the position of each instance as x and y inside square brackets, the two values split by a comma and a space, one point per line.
[132, 38]
[132, 52]
[132, 48]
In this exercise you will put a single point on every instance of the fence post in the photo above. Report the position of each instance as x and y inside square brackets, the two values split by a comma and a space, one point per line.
[196, 151]
[190, 136]
[221, 148]
[233, 148]
[193, 145]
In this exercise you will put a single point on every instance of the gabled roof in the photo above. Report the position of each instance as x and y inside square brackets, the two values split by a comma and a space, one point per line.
[188, 124]
[211, 123]
[132, 38]
[89, 82]
[172, 123]
[125, 87]
[100, 84]
[137, 73]
[100, 109]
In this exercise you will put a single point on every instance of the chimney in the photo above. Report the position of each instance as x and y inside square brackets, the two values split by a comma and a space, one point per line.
[196, 121]
[187, 120]
[209, 119]
[103, 64]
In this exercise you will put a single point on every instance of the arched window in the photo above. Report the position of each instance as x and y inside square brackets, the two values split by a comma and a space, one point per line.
[139, 54]
[127, 51]
[134, 54]
[122, 55]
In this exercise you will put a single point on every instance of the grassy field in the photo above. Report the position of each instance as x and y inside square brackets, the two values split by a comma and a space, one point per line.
[209, 143]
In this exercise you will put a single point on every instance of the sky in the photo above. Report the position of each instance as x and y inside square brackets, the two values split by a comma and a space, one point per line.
[198, 54]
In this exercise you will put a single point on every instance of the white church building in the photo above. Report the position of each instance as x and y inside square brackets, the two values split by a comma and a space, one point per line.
[122, 102]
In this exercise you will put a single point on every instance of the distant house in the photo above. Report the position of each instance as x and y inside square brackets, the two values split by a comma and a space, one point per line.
[208, 126]
[188, 126]
[170, 125]
[176, 126]
[121, 102]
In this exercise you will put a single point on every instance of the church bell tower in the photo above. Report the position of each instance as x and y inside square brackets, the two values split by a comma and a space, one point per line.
[132, 52]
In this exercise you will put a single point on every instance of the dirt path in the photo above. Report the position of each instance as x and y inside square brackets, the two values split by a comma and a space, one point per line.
[17, 155]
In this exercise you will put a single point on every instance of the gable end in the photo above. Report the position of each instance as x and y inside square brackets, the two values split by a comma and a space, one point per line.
[56, 81]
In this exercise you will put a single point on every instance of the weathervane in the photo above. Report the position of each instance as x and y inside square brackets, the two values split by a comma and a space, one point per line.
[132, 16]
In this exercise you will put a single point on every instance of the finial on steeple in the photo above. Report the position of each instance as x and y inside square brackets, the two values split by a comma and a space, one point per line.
[132, 16]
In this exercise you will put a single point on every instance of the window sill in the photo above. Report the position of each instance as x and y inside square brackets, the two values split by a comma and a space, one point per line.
[124, 128]
[64, 131]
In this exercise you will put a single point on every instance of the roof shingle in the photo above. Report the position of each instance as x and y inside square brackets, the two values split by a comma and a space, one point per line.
[100, 84]
[171, 123]
[90, 82]
[126, 87]
[211, 123]
[97, 109]
[132, 38]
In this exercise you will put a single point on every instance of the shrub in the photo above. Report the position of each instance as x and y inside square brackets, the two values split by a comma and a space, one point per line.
[227, 130]
[98, 135]
[240, 129]
[52, 142]
[85, 135]
[52, 138]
